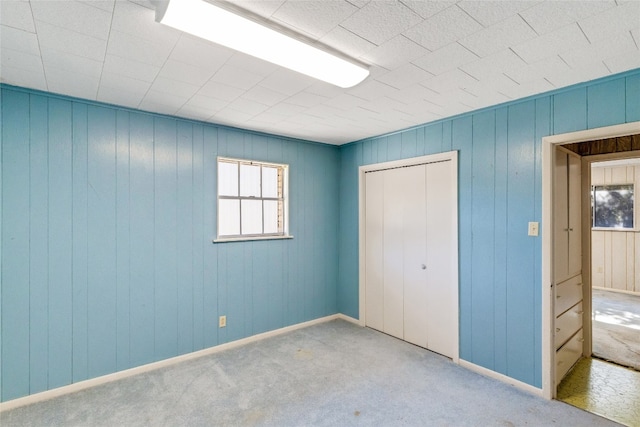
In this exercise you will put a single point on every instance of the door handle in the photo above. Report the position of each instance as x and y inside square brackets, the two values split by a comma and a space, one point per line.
[424, 267]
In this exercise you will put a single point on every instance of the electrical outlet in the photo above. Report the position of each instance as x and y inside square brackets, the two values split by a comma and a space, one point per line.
[222, 322]
[533, 229]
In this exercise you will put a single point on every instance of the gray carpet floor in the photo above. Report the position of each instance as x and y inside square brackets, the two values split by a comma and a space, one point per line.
[331, 374]
[616, 327]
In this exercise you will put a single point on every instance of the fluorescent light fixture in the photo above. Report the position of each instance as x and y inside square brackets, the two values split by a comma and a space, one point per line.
[210, 22]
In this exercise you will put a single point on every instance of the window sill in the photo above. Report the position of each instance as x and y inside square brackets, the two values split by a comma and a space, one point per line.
[249, 238]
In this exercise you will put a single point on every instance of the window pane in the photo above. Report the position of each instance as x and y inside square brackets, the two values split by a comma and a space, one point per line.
[613, 206]
[252, 217]
[227, 179]
[269, 182]
[229, 217]
[271, 216]
[249, 181]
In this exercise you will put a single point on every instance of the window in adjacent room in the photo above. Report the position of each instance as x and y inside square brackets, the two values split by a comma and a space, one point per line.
[252, 200]
[612, 206]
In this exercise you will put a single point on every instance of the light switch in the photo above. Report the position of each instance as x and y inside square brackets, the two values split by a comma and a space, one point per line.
[533, 229]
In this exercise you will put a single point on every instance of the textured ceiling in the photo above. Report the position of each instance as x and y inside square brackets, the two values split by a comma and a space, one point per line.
[428, 59]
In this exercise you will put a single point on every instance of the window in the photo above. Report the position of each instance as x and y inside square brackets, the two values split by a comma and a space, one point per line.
[612, 206]
[252, 200]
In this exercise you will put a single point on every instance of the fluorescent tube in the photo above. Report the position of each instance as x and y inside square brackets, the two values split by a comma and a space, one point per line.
[218, 25]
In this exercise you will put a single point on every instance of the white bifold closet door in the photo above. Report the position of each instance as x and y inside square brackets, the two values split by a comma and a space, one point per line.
[409, 284]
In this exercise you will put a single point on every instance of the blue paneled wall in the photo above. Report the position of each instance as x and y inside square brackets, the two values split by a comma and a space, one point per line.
[499, 192]
[107, 259]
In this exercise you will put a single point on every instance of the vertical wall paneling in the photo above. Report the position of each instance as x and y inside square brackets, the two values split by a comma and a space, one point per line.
[542, 129]
[102, 241]
[433, 135]
[483, 213]
[38, 242]
[123, 230]
[198, 236]
[521, 288]
[165, 253]
[79, 243]
[60, 244]
[501, 247]
[570, 111]
[210, 251]
[632, 98]
[141, 238]
[462, 140]
[184, 236]
[15, 368]
[606, 104]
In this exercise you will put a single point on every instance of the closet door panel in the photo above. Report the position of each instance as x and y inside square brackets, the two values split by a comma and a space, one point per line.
[441, 333]
[575, 216]
[560, 219]
[374, 255]
[393, 252]
[416, 315]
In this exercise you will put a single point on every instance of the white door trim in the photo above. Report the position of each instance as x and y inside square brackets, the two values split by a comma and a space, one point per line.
[548, 143]
[440, 157]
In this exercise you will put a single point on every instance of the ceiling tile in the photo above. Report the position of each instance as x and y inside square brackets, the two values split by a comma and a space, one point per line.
[106, 5]
[617, 19]
[443, 28]
[498, 37]
[445, 59]
[20, 60]
[345, 102]
[286, 109]
[196, 113]
[372, 89]
[306, 99]
[380, 21]
[248, 107]
[31, 77]
[263, 95]
[66, 83]
[347, 42]
[73, 16]
[25, 41]
[550, 15]
[412, 94]
[395, 52]
[314, 17]
[529, 88]
[128, 85]
[185, 73]
[174, 87]
[231, 117]
[17, 14]
[236, 77]
[116, 96]
[130, 68]
[71, 63]
[601, 50]
[553, 43]
[138, 49]
[200, 53]
[426, 9]
[163, 102]
[539, 70]
[206, 103]
[252, 64]
[221, 91]
[564, 78]
[624, 62]
[449, 81]
[287, 82]
[404, 76]
[489, 12]
[498, 63]
[51, 36]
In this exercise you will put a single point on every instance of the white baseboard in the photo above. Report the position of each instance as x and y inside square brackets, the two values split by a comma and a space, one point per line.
[349, 319]
[82, 385]
[620, 291]
[500, 377]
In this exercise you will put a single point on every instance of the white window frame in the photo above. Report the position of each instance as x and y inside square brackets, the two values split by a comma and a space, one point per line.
[285, 202]
[635, 208]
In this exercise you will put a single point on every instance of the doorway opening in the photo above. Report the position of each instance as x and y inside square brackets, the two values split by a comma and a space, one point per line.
[591, 146]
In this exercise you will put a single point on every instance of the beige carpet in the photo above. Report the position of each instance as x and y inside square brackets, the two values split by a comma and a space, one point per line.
[616, 327]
